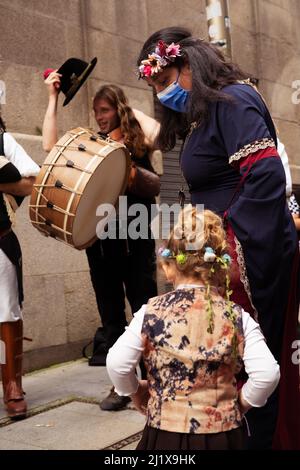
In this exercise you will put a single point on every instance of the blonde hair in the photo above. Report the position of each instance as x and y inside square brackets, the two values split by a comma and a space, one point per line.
[194, 233]
[198, 230]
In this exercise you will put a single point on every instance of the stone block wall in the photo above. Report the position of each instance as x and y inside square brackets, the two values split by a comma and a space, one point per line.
[60, 310]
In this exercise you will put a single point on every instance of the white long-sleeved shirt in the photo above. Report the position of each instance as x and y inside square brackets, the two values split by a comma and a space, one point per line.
[285, 161]
[15, 153]
[260, 365]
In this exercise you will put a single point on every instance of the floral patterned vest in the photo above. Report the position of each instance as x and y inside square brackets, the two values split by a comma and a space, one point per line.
[191, 372]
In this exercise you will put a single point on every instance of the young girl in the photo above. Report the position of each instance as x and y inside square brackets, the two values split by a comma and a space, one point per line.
[194, 341]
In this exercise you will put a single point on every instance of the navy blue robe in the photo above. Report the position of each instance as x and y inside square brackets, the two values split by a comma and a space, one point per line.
[232, 167]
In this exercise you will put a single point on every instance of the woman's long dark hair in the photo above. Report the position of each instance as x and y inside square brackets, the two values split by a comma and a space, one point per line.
[210, 72]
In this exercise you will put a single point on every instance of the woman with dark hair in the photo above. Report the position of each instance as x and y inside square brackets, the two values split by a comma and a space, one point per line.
[230, 162]
[125, 262]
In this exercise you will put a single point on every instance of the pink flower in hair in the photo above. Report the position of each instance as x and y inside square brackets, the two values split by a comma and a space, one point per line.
[160, 58]
[173, 50]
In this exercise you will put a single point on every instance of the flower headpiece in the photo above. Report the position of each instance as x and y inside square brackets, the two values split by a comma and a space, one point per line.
[209, 256]
[224, 261]
[160, 58]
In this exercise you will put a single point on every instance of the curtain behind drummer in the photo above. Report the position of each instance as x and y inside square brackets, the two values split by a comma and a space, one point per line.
[116, 264]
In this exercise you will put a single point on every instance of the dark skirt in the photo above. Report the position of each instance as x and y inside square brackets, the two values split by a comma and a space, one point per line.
[156, 439]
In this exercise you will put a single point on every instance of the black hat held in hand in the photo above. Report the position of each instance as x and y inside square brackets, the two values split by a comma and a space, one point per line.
[74, 73]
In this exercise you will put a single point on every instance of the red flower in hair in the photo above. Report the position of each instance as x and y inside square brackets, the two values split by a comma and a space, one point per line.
[147, 70]
[161, 48]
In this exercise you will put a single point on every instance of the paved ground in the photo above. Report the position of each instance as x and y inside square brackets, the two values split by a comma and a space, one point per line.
[64, 413]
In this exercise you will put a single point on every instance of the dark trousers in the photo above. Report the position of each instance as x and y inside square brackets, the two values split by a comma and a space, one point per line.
[115, 264]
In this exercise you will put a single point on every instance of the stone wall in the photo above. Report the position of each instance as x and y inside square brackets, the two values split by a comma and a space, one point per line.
[60, 309]
[266, 41]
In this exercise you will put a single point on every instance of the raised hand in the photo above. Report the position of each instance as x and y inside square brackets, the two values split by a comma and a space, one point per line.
[52, 81]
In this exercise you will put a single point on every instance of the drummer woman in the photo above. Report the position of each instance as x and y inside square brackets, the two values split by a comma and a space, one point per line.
[231, 164]
[115, 263]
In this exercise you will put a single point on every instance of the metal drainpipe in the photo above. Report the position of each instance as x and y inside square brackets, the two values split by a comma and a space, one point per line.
[219, 25]
[84, 15]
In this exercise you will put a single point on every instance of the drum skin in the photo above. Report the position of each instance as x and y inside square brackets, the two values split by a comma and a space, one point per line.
[81, 172]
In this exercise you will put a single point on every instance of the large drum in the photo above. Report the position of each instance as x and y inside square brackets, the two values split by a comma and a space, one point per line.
[81, 172]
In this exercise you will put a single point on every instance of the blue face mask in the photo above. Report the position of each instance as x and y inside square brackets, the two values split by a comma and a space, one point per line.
[174, 97]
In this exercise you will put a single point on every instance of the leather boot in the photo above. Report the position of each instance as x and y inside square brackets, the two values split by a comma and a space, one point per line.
[13, 395]
[113, 401]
